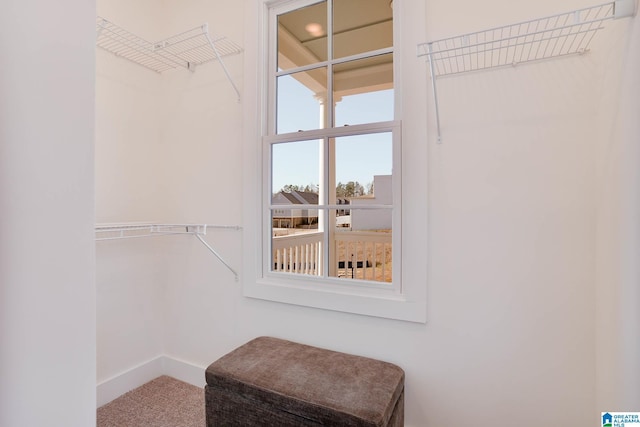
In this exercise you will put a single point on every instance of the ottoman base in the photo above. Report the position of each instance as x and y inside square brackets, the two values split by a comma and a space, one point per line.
[273, 382]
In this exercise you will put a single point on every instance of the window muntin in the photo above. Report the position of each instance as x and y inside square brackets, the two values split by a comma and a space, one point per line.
[329, 97]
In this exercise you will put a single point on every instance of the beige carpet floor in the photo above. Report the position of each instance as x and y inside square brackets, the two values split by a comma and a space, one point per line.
[162, 402]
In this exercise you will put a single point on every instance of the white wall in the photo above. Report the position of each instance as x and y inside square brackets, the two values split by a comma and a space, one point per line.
[131, 176]
[159, 158]
[47, 282]
[510, 249]
[618, 231]
[518, 251]
[204, 142]
[130, 164]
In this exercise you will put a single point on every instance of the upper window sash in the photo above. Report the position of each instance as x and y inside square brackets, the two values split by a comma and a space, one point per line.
[279, 8]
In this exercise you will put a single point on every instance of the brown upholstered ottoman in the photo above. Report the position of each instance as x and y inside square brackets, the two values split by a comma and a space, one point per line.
[273, 382]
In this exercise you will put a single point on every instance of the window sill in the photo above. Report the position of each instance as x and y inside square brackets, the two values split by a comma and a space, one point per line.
[390, 306]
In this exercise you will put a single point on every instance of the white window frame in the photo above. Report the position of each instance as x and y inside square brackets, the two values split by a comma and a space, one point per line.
[325, 283]
[354, 296]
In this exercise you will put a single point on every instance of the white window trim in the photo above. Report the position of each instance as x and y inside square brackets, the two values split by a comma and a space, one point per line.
[406, 301]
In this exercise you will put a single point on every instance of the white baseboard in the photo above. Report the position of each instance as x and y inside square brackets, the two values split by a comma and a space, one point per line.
[118, 385]
[184, 371]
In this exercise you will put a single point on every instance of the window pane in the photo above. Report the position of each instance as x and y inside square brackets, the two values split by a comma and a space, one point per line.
[300, 97]
[361, 26]
[352, 174]
[302, 36]
[363, 167]
[295, 186]
[296, 243]
[295, 172]
[360, 246]
[362, 250]
[363, 91]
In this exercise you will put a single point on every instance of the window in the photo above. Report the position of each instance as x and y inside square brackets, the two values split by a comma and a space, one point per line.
[330, 207]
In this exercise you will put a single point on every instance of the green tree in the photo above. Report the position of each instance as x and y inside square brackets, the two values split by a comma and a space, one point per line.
[350, 189]
[309, 188]
[290, 188]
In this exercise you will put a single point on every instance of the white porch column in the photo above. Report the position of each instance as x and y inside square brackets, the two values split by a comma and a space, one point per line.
[327, 192]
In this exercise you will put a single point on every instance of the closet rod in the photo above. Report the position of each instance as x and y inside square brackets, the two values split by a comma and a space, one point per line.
[129, 231]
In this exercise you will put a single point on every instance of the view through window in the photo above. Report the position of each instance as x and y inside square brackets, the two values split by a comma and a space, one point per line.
[331, 141]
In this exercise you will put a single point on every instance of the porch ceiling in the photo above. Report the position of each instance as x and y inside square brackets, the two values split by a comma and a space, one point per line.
[359, 26]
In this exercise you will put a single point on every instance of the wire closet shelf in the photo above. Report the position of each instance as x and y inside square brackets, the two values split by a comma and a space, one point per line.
[553, 36]
[185, 50]
[131, 231]
[558, 35]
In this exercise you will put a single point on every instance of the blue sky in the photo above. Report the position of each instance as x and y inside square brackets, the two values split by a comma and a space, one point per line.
[358, 158]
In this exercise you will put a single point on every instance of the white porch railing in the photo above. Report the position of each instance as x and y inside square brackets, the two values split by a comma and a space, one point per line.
[298, 253]
[364, 255]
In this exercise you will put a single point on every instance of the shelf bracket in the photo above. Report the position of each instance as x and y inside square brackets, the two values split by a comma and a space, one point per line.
[205, 29]
[435, 90]
[213, 251]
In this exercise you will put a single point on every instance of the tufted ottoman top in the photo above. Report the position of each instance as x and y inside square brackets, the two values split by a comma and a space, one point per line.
[328, 387]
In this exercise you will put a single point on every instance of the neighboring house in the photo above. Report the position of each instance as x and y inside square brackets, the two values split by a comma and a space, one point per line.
[378, 219]
[343, 216]
[295, 211]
